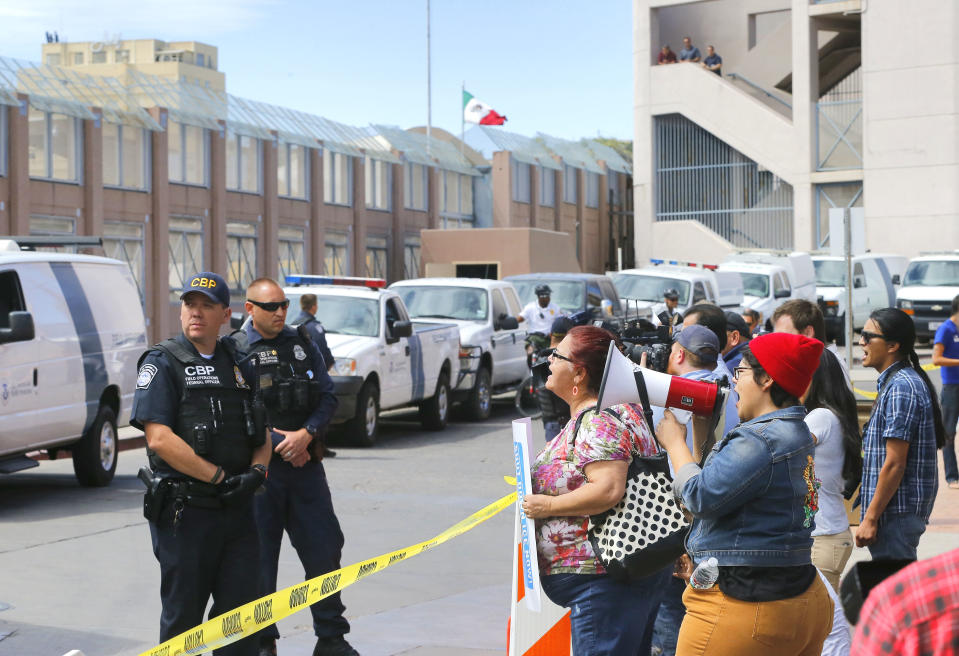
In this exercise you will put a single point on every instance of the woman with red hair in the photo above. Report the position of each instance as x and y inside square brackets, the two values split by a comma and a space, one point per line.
[582, 472]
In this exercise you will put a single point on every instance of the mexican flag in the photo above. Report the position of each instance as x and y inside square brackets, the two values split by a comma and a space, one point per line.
[476, 111]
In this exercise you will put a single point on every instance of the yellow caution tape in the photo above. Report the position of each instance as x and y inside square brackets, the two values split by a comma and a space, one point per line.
[255, 615]
[873, 395]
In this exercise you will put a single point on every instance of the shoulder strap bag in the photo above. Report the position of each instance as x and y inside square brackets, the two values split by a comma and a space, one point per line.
[646, 530]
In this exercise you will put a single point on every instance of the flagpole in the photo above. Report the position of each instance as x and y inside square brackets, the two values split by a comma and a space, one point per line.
[462, 118]
[429, 82]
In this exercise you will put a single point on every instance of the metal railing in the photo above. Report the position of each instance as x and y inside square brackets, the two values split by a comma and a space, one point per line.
[765, 92]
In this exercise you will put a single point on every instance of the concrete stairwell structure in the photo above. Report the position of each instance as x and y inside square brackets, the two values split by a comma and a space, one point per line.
[822, 103]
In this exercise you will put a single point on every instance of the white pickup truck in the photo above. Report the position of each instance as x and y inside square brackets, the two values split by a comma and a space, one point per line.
[492, 351]
[383, 360]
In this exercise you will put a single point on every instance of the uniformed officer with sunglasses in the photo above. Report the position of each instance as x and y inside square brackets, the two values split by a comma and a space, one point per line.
[207, 458]
[291, 380]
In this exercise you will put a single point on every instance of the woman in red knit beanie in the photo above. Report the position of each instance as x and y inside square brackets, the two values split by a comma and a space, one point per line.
[753, 502]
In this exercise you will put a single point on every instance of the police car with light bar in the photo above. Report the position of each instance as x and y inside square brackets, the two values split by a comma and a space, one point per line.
[383, 360]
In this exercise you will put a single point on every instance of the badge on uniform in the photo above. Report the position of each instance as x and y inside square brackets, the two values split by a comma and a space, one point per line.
[298, 352]
[145, 377]
[240, 381]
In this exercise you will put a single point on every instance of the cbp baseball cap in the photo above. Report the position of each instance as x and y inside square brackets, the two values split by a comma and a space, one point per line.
[700, 341]
[211, 285]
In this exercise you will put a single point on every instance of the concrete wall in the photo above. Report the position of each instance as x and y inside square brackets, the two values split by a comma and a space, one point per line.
[688, 241]
[514, 250]
[911, 112]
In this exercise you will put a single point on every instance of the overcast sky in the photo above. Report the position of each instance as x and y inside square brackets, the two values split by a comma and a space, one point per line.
[557, 66]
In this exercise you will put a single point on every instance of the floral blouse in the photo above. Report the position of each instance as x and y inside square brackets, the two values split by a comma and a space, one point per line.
[562, 543]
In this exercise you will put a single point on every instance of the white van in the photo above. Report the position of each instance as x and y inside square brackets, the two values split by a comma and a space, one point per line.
[872, 289]
[928, 287]
[643, 288]
[71, 330]
[770, 279]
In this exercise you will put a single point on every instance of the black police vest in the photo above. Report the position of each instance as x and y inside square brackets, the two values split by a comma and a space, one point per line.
[286, 375]
[214, 404]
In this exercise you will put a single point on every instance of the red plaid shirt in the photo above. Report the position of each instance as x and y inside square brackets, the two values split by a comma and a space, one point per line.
[915, 611]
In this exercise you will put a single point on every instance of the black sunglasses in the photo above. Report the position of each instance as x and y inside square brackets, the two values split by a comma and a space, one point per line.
[272, 306]
[867, 336]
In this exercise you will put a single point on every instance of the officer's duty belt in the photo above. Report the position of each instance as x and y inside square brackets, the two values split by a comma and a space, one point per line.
[194, 493]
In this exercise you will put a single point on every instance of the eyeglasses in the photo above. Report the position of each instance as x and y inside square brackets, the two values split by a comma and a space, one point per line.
[866, 336]
[553, 354]
[737, 370]
[271, 306]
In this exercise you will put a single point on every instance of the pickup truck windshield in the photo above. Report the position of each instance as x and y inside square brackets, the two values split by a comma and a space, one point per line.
[649, 288]
[829, 273]
[427, 302]
[342, 314]
[755, 284]
[932, 273]
[569, 295]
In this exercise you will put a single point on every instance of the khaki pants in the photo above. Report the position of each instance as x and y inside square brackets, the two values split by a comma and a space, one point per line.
[717, 625]
[830, 553]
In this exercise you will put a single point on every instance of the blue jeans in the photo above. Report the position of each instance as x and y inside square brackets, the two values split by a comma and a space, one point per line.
[950, 415]
[608, 618]
[670, 616]
[897, 537]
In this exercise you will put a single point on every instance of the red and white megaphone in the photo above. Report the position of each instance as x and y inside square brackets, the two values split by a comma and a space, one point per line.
[619, 385]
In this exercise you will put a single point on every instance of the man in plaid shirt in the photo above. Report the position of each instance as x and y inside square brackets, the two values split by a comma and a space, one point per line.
[915, 611]
[899, 474]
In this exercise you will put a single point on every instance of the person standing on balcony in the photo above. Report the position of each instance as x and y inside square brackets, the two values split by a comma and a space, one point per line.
[689, 53]
[666, 56]
[713, 62]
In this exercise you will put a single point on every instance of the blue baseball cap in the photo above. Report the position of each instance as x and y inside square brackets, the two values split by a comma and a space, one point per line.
[211, 285]
[700, 341]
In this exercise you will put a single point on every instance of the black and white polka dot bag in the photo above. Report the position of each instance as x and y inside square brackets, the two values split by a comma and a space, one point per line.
[646, 530]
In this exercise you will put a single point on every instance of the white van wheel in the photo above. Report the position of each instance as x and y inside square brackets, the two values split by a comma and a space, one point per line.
[95, 455]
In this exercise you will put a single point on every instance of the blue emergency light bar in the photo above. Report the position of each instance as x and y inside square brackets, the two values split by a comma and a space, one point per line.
[298, 279]
[656, 261]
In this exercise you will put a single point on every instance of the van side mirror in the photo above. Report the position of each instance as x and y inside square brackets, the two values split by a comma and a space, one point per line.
[21, 328]
[399, 329]
[782, 293]
[858, 283]
[896, 280]
[506, 322]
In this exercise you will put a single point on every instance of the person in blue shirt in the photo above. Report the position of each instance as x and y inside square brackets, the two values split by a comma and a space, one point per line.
[945, 354]
[689, 53]
[900, 477]
[713, 62]
[296, 389]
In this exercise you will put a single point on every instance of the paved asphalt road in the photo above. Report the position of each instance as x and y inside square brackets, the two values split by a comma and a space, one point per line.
[78, 571]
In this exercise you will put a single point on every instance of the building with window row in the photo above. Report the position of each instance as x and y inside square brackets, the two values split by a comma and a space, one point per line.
[179, 177]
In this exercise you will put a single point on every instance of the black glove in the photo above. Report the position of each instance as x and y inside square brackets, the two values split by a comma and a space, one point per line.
[240, 486]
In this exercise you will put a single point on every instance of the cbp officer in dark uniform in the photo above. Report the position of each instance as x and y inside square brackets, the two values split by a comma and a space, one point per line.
[307, 317]
[298, 393]
[207, 458]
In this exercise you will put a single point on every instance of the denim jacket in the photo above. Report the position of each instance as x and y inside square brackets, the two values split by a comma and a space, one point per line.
[755, 498]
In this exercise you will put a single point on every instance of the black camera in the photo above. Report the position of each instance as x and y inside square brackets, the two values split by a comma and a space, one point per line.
[641, 336]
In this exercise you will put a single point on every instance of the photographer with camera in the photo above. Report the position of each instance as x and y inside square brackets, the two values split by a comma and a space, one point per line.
[693, 355]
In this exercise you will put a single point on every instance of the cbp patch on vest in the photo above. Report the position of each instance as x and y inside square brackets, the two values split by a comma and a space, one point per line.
[267, 357]
[240, 381]
[298, 352]
[145, 377]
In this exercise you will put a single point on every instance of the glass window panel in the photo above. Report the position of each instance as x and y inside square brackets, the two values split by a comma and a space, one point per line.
[547, 186]
[298, 168]
[111, 153]
[186, 252]
[124, 241]
[38, 143]
[415, 197]
[121, 56]
[411, 257]
[195, 156]
[569, 184]
[134, 157]
[53, 60]
[376, 257]
[466, 194]
[175, 151]
[99, 57]
[78, 58]
[3, 139]
[292, 255]
[327, 176]
[249, 164]
[336, 254]
[232, 162]
[241, 255]
[63, 139]
[592, 190]
[52, 225]
[282, 169]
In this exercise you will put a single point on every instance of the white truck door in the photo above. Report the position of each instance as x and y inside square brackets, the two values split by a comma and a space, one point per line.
[511, 361]
[398, 385]
[43, 380]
